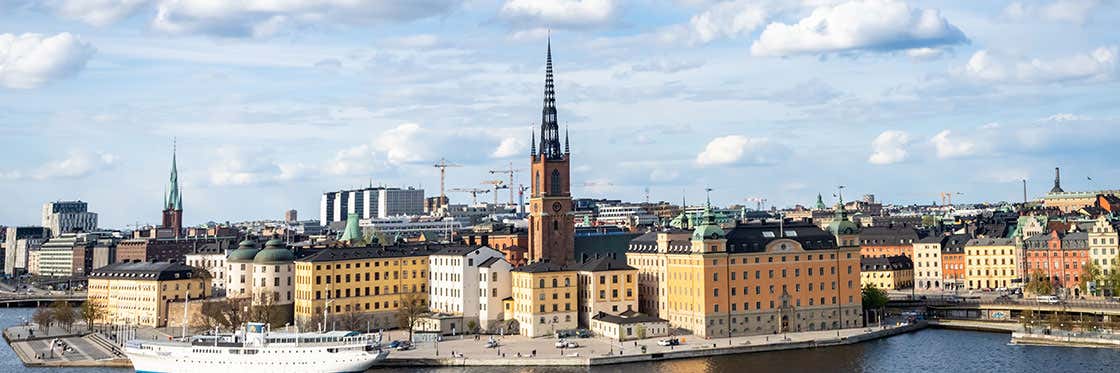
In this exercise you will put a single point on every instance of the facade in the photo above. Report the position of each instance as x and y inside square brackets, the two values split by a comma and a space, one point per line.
[213, 261]
[628, 326]
[454, 284]
[368, 281]
[646, 254]
[626, 215]
[888, 241]
[551, 224]
[606, 285]
[138, 293]
[370, 203]
[291, 216]
[1103, 244]
[155, 249]
[887, 272]
[1058, 257]
[991, 263]
[758, 278]
[274, 281]
[58, 256]
[953, 262]
[18, 242]
[544, 298]
[927, 263]
[495, 284]
[68, 217]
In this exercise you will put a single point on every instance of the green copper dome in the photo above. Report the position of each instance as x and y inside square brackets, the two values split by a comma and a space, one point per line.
[708, 228]
[274, 252]
[840, 223]
[245, 252]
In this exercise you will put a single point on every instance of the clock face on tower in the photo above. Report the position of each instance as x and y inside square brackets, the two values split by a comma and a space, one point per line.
[556, 206]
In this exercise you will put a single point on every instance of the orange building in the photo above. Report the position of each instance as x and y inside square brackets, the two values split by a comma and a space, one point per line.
[888, 241]
[953, 264]
[551, 224]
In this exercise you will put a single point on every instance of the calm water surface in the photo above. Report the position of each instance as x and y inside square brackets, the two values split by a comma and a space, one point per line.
[929, 350]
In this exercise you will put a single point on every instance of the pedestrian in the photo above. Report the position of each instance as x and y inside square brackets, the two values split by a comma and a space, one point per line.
[534, 353]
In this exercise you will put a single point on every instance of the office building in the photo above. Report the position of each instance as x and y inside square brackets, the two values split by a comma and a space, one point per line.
[370, 203]
[18, 242]
[68, 217]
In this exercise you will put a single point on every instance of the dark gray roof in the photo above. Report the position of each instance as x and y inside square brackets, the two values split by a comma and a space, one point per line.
[991, 242]
[603, 263]
[885, 263]
[626, 318]
[456, 250]
[954, 243]
[488, 262]
[542, 267]
[890, 236]
[335, 254]
[149, 271]
[753, 237]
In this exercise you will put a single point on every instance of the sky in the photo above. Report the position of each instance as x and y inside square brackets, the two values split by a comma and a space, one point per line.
[271, 103]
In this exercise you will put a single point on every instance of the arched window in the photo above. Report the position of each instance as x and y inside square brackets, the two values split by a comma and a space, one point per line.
[539, 183]
[554, 184]
[555, 225]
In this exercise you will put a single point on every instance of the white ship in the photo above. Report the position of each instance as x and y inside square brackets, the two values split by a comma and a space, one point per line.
[256, 349]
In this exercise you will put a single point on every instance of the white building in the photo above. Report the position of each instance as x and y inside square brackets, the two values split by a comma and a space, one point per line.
[68, 217]
[56, 256]
[239, 270]
[927, 263]
[410, 227]
[213, 261]
[493, 286]
[625, 215]
[273, 273]
[1103, 244]
[370, 203]
[455, 282]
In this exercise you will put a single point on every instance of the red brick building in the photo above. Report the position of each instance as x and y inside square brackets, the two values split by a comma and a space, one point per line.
[1060, 257]
[551, 224]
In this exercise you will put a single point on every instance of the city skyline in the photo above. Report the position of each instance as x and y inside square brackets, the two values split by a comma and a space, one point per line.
[309, 100]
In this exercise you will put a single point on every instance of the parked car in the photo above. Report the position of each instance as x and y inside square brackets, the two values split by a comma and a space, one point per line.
[405, 346]
[395, 344]
[583, 333]
[669, 342]
[562, 343]
[1048, 299]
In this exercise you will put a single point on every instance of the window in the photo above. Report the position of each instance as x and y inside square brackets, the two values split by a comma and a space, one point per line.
[554, 183]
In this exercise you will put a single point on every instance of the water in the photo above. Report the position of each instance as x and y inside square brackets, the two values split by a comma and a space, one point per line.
[930, 350]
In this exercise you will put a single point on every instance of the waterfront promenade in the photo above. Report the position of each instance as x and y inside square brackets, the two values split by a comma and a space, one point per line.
[523, 351]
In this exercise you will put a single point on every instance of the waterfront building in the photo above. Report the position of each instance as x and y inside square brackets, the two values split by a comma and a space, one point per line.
[239, 270]
[370, 203]
[544, 298]
[927, 263]
[757, 278]
[1103, 244]
[69, 254]
[606, 285]
[138, 293]
[887, 272]
[495, 284]
[212, 258]
[551, 226]
[1060, 257]
[273, 281]
[888, 241]
[68, 217]
[953, 262]
[369, 282]
[456, 280]
[18, 243]
[628, 326]
[991, 263]
[647, 253]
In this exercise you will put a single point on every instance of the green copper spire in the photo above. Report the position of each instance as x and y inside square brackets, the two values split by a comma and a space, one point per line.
[174, 197]
[820, 203]
[352, 235]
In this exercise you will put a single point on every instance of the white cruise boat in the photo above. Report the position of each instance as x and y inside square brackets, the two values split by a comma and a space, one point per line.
[256, 349]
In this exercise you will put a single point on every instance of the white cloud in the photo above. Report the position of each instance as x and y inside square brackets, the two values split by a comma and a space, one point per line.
[728, 19]
[1097, 65]
[258, 18]
[412, 143]
[77, 164]
[31, 60]
[509, 147]
[1066, 117]
[96, 12]
[949, 146]
[1073, 11]
[889, 147]
[925, 54]
[741, 150]
[560, 12]
[356, 160]
[859, 25]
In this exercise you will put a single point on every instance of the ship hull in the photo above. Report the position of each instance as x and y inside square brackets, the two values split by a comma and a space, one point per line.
[279, 361]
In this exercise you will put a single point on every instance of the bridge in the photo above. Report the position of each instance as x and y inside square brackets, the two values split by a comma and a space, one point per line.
[36, 300]
[1011, 309]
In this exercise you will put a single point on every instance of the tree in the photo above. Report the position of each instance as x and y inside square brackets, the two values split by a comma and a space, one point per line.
[43, 317]
[91, 313]
[1039, 284]
[228, 313]
[1090, 272]
[412, 307]
[263, 308]
[873, 298]
[472, 327]
[64, 314]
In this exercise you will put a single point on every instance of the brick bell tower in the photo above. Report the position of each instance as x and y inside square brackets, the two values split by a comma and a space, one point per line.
[551, 224]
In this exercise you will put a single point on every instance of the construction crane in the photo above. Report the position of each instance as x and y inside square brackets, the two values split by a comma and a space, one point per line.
[509, 172]
[497, 184]
[757, 200]
[442, 165]
[947, 198]
[474, 192]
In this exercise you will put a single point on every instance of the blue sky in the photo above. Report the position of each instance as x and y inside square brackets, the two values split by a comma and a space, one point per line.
[275, 102]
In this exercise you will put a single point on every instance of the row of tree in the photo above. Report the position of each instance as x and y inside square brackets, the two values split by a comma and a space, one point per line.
[64, 315]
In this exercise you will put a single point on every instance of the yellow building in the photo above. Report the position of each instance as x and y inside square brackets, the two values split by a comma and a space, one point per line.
[371, 282]
[887, 272]
[544, 298]
[757, 278]
[606, 285]
[138, 293]
[990, 263]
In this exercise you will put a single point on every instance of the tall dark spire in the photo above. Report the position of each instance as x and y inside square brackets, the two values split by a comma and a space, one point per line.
[550, 130]
[567, 150]
[1057, 181]
[533, 144]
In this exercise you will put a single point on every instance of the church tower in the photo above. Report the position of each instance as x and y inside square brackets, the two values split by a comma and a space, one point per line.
[173, 203]
[551, 224]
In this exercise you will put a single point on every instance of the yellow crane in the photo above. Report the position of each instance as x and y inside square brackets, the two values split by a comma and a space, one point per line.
[442, 165]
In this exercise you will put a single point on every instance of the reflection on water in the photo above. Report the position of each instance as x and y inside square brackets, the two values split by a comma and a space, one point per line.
[930, 350]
